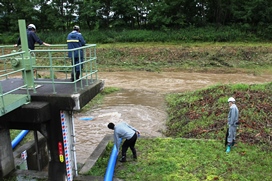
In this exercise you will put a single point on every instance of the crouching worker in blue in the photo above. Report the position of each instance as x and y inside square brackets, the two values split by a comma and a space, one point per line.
[125, 131]
[232, 123]
[75, 40]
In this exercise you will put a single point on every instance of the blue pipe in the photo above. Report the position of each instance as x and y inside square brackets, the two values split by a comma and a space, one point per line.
[19, 138]
[111, 164]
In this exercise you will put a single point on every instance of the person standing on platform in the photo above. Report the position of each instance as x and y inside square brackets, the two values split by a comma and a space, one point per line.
[76, 40]
[32, 38]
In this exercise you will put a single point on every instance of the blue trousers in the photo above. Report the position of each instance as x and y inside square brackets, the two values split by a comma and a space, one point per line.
[77, 69]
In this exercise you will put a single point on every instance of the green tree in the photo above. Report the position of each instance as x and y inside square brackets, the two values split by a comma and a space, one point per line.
[12, 10]
[218, 12]
[168, 14]
[125, 13]
[105, 13]
[89, 13]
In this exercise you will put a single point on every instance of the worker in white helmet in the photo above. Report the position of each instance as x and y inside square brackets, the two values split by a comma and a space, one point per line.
[32, 38]
[232, 123]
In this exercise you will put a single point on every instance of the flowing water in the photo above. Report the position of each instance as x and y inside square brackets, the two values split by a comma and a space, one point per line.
[141, 102]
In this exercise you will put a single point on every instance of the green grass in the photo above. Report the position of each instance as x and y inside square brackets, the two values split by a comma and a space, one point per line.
[217, 57]
[203, 113]
[169, 159]
[197, 57]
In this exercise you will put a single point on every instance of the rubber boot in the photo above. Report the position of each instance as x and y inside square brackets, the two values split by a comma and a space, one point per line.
[228, 149]
[123, 159]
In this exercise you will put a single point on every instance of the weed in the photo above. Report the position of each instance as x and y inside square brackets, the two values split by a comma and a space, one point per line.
[182, 159]
[208, 114]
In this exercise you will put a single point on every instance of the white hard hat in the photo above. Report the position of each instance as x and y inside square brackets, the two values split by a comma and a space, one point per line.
[31, 26]
[231, 99]
[76, 27]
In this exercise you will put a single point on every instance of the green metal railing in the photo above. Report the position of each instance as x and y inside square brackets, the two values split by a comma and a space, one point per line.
[48, 65]
[53, 66]
[9, 100]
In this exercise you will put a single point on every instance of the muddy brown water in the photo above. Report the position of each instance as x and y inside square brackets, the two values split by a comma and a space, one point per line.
[141, 102]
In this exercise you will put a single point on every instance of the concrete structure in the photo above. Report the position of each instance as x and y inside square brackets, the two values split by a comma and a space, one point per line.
[43, 114]
[90, 162]
[6, 154]
[35, 161]
[47, 107]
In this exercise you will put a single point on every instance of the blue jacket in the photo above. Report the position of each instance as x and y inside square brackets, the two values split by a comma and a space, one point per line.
[32, 38]
[75, 40]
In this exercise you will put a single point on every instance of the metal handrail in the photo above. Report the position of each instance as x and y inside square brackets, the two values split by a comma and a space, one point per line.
[54, 58]
[52, 65]
[6, 73]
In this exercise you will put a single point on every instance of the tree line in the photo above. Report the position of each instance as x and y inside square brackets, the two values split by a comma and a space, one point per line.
[61, 15]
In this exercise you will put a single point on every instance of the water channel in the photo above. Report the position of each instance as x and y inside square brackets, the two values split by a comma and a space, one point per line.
[141, 102]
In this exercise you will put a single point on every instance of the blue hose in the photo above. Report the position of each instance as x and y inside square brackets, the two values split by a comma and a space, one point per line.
[111, 164]
[19, 138]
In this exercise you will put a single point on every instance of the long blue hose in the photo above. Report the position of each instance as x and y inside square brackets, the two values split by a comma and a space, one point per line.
[111, 164]
[19, 138]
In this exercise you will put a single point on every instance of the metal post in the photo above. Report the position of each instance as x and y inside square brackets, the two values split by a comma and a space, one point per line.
[26, 61]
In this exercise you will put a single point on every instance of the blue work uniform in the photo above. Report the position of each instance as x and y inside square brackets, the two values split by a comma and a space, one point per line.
[75, 40]
[32, 38]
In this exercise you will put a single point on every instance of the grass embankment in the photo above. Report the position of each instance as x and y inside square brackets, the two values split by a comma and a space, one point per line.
[190, 57]
[201, 116]
[203, 113]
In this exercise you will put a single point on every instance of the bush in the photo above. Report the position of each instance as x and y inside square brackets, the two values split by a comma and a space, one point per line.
[190, 34]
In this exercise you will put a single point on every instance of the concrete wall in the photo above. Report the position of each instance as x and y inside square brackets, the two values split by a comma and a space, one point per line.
[6, 154]
[32, 155]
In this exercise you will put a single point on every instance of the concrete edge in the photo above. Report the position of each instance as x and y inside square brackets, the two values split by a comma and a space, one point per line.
[32, 174]
[99, 150]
